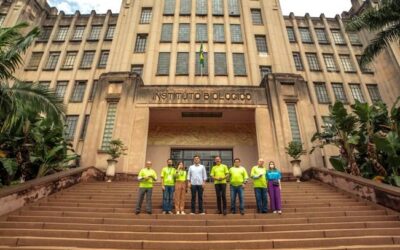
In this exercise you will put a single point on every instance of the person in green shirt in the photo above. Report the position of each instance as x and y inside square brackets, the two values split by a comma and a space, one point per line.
[180, 188]
[146, 178]
[168, 186]
[220, 173]
[238, 178]
[260, 186]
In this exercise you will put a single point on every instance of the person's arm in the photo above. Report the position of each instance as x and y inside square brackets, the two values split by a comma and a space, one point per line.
[189, 174]
[140, 176]
[204, 176]
[162, 179]
[245, 177]
[252, 174]
[226, 173]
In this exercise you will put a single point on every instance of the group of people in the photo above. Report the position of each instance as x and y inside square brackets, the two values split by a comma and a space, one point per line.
[176, 181]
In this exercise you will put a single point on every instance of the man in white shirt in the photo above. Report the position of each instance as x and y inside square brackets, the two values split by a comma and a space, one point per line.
[197, 177]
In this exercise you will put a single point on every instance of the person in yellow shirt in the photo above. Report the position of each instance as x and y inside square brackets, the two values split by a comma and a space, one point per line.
[146, 178]
[258, 174]
[220, 173]
[238, 178]
[180, 188]
[168, 186]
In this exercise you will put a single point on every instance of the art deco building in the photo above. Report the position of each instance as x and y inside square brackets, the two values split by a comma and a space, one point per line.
[268, 79]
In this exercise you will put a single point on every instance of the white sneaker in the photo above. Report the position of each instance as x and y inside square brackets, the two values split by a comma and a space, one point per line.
[202, 213]
[192, 213]
[164, 212]
[274, 212]
[279, 212]
[183, 212]
[178, 212]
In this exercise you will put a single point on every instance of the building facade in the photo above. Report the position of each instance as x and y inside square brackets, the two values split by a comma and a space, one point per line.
[267, 79]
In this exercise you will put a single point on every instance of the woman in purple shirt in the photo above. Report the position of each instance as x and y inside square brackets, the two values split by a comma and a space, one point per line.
[274, 187]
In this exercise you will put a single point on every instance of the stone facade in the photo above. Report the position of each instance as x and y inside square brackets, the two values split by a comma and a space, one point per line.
[135, 75]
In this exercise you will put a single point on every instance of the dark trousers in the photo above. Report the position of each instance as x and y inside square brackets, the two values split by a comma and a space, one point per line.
[261, 199]
[142, 192]
[237, 192]
[168, 198]
[197, 190]
[220, 190]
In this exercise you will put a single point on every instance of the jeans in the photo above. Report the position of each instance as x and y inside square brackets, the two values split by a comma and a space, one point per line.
[261, 199]
[220, 190]
[142, 192]
[237, 191]
[168, 198]
[197, 189]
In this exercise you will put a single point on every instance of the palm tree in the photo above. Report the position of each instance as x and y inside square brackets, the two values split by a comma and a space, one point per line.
[385, 20]
[18, 99]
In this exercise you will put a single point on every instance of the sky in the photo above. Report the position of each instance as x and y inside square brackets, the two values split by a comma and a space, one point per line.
[298, 7]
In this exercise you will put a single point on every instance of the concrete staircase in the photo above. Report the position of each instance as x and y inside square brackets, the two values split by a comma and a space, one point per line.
[99, 215]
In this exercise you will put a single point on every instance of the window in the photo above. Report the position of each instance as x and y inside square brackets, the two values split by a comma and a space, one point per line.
[103, 58]
[186, 7]
[45, 34]
[354, 38]
[145, 16]
[291, 35]
[184, 32]
[220, 64]
[34, 62]
[305, 35]
[321, 92]
[163, 63]
[52, 61]
[297, 61]
[61, 34]
[261, 44]
[78, 92]
[2, 19]
[110, 32]
[330, 63]
[219, 33]
[94, 90]
[201, 7]
[140, 46]
[137, 68]
[199, 68]
[201, 32]
[109, 125]
[356, 92]
[169, 7]
[313, 62]
[338, 37]
[87, 59]
[69, 60]
[182, 63]
[71, 123]
[236, 33]
[321, 36]
[84, 127]
[347, 63]
[61, 88]
[373, 91]
[218, 7]
[339, 92]
[293, 122]
[234, 8]
[264, 71]
[44, 84]
[166, 32]
[95, 33]
[78, 33]
[256, 16]
[239, 65]
[368, 69]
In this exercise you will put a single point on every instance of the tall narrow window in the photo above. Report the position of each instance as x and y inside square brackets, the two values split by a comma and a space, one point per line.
[293, 122]
[94, 90]
[61, 34]
[201, 32]
[137, 69]
[261, 44]
[110, 32]
[313, 62]
[2, 19]
[291, 35]
[330, 63]
[182, 63]
[199, 68]
[201, 7]
[140, 45]
[84, 127]
[184, 33]
[297, 61]
[236, 33]
[44, 84]
[146, 15]
[321, 92]
[367, 69]
[166, 32]
[34, 62]
[87, 60]
[78, 92]
[103, 58]
[339, 92]
[234, 7]
[347, 63]
[163, 63]
[185, 8]
[109, 125]
[52, 61]
[256, 16]
[218, 7]
[321, 36]
[239, 65]
[264, 71]
[78, 33]
[219, 33]
[61, 88]
[220, 64]
[69, 60]
[373, 91]
[95, 33]
[71, 122]
[305, 35]
[169, 7]
[45, 34]
[354, 38]
[338, 37]
[357, 92]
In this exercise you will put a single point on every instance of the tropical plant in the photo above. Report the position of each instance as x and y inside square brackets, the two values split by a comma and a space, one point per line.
[294, 149]
[116, 148]
[383, 20]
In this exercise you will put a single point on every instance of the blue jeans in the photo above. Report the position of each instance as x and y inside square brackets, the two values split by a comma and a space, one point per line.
[261, 199]
[142, 192]
[168, 198]
[237, 191]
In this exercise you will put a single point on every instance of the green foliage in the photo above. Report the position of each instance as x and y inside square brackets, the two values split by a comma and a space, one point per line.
[294, 149]
[338, 163]
[116, 148]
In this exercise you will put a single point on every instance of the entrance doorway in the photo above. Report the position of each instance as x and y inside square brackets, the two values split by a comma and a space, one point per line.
[207, 157]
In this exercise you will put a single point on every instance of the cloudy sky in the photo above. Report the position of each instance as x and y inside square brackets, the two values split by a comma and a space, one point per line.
[299, 7]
